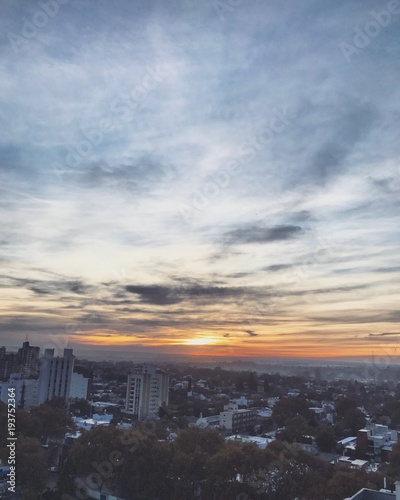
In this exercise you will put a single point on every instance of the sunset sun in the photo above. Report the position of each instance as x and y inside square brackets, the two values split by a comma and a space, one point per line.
[201, 341]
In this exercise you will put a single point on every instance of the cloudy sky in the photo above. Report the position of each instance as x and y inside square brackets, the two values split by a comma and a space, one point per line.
[207, 177]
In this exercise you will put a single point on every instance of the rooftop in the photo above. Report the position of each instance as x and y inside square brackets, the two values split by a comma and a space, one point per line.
[365, 494]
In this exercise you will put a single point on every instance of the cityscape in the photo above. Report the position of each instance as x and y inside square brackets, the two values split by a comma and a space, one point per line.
[199, 250]
[247, 433]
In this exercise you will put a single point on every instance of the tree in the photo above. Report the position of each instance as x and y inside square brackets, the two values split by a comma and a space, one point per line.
[54, 421]
[354, 420]
[290, 407]
[394, 462]
[343, 405]
[266, 385]
[31, 467]
[80, 407]
[295, 429]
[240, 383]
[252, 382]
[194, 438]
[294, 473]
[233, 470]
[395, 417]
[146, 470]
[222, 472]
[57, 402]
[192, 449]
[345, 483]
[100, 445]
[326, 438]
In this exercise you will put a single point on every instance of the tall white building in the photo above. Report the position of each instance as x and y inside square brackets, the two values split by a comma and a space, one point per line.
[147, 390]
[25, 390]
[55, 375]
[80, 383]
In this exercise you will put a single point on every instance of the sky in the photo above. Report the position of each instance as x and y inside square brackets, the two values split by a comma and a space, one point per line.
[213, 178]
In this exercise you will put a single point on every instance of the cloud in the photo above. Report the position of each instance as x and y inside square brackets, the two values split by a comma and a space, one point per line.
[384, 334]
[46, 287]
[361, 318]
[387, 270]
[136, 174]
[167, 295]
[260, 162]
[277, 267]
[339, 130]
[259, 234]
[251, 333]
[154, 294]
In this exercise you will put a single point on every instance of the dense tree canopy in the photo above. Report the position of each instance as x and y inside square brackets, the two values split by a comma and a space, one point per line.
[291, 407]
[200, 464]
[31, 467]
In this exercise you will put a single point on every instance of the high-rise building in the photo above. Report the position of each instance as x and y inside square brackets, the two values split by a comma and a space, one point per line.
[55, 375]
[147, 390]
[25, 391]
[81, 383]
[28, 360]
[8, 364]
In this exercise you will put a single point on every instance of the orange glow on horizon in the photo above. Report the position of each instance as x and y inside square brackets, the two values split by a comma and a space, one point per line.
[259, 347]
[202, 341]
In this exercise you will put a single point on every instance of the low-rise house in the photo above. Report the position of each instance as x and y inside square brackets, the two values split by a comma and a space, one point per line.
[261, 442]
[235, 420]
[376, 441]
[211, 422]
[384, 494]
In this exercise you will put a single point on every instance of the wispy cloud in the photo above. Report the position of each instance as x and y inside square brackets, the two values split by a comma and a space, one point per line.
[251, 333]
[257, 234]
[116, 117]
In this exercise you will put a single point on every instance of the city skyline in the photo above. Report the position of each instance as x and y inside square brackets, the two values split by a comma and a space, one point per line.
[210, 179]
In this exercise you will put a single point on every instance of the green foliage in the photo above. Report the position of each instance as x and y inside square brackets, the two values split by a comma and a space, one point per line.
[343, 405]
[295, 429]
[31, 467]
[394, 463]
[252, 382]
[240, 383]
[353, 420]
[80, 407]
[326, 438]
[145, 470]
[290, 407]
[267, 387]
[196, 439]
[345, 483]
[44, 422]
[200, 464]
